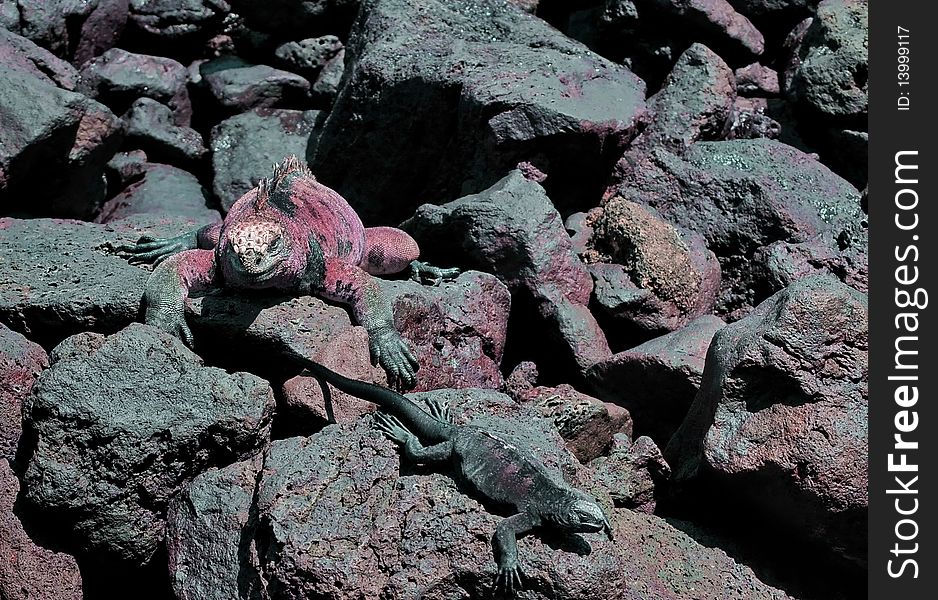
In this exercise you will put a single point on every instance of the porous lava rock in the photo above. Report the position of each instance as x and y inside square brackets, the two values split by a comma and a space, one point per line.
[338, 515]
[173, 21]
[29, 571]
[745, 195]
[237, 86]
[513, 231]
[59, 278]
[444, 98]
[149, 126]
[120, 423]
[163, 191]
[308, 57]
[631, 471]
[246, 146]
[17, 52]
[657, 380]
[780, 421]
[53, 147]
[757, 80]
[21, 361]
[117, 78]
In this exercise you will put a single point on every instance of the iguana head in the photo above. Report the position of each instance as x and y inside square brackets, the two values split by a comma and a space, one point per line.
[581, 514]
[257, 248]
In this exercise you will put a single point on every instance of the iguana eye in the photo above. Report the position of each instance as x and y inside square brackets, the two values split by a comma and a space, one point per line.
[276, 243]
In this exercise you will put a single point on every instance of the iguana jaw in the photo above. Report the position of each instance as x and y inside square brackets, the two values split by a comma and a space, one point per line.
[257, 249]
[582, 515]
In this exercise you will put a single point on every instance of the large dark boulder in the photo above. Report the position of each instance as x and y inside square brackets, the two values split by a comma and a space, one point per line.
[246, 146]
[162, 191]
[444, 98]
[177, 21]
[150, 126]
[293, 19]
[17, 52]
[53, 147]
[780, 421]
[338, 515]
[236, 86]
[120, 423]
[513, 231]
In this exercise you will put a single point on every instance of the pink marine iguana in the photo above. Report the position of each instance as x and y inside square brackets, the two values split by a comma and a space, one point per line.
[497, 469]
[293, 234]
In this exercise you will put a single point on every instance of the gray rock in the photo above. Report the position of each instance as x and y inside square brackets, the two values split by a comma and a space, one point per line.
[780, 421]
[237, 86]
[17, 52]
[326, 86]
[308, 57]
[53, 147]
[121, 423]
[163, 191]
[149, 126]
[631, 472]
[513, 231]
[246, 146]
[657, 381]
[293, 19]
[468, 90]
[177, 20]
[59, 278]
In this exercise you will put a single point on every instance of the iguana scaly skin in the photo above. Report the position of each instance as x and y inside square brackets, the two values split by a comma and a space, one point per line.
[292, 234]
[497, 469]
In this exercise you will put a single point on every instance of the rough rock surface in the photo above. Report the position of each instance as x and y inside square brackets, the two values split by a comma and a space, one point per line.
[743, 195]
[51, 23]
[121, 422]
[326, 86]
[205, 535]
[631, 471]
[21, 361]
[338, 516]
[246, 146]
[53, 147]
[478, 86]
[308, 57]
[117, 78]
[29, 571]
[58, 278]
[238, 86]
[513, 231]
[101, 30]
[17, 52]
[831, 73]
[757, 80]
[586, 424]
[176, 20]
[657, 381]
[781, 417]
[163, 191]
[149, 126]
[696, 101]
[648, 273]
[293, 19]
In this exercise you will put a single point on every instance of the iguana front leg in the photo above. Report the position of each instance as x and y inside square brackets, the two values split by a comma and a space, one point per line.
[351, 285]
[169, 286]
[506, 546]
[411, 447]
[149, 249]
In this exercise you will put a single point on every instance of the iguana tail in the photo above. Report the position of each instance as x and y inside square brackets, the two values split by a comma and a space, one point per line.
[426, 427]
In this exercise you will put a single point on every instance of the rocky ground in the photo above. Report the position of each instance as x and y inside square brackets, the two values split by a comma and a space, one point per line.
[659, 210]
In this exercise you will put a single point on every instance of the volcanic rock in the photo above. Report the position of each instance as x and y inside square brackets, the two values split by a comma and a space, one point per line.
[21, 361]
[177, 20]
[293, 19]
[148, 125]
[17, 52]
[444, 98]
[308, 57]
[757, 80]
[163, 191]
[631, 471]
[326, 86]
[238, 86]
[780, 421]
[121, 422]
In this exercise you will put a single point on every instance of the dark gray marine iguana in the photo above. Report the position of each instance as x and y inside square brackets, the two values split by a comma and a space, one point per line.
[292, 234]
[497, 469]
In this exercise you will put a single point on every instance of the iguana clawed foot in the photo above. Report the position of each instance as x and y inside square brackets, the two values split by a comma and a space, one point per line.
[430, 275]
[155, 250]
[509, 578]
[173, 322]
[394, 356]
[392, 428]
[439, 409]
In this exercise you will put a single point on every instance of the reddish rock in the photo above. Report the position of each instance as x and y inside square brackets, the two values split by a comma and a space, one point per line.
[661, 276]
[21, 361]
[780, 422]
[479, 86]
[657, 381]
[117, 78]
[101, 30]
[750, 121]
[513, 231]
[121, 423]
[149, 126]
[163, 191]
[245, 146]
[631, 471]
[52, 23]
[696, 101]
[757, 80]
[17, 52]
[238, 86]
[586, 424]
[53, 147]
[29, 571]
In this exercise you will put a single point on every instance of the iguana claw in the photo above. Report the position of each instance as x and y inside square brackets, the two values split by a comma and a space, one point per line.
[150, 250]
[394, 356]
[509, 579]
